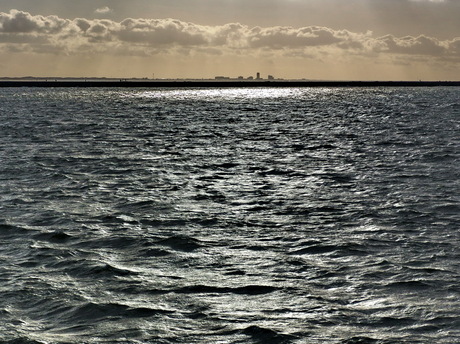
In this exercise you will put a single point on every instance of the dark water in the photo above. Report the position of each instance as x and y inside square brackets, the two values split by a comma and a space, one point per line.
[230, 215]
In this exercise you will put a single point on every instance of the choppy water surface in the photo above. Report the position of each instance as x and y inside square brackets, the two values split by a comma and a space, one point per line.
[230, 215]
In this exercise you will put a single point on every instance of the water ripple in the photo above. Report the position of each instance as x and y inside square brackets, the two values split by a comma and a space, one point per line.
[229, 216]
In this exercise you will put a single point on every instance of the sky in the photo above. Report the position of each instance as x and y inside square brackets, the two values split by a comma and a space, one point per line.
[290, 39]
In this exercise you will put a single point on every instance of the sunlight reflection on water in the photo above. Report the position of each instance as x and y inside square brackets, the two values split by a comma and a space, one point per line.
[222, 93]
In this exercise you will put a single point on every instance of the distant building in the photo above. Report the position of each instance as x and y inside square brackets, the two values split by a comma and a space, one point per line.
[258, 76]
[240, 78]
[270, 77]
[250, 78]
[219, 77]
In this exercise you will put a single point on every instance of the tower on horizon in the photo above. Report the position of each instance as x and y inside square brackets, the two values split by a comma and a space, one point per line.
[258, 76]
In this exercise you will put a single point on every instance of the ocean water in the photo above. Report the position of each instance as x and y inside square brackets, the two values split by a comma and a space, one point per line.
[271, 215]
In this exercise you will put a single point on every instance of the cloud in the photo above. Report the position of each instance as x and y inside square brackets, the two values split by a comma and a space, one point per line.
[162, 32]
[23, 22]
[152, 36]
[287, 37]
[103, 10]
[420, 45]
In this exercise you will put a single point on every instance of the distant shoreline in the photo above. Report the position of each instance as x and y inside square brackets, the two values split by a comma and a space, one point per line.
[216, 83]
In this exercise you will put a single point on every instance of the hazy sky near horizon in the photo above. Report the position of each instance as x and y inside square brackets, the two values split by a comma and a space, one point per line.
[318, 39]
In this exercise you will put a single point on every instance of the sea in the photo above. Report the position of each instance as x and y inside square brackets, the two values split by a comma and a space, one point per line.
[230, 215]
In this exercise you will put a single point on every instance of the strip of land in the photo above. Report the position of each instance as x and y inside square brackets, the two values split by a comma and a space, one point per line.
[217, 83]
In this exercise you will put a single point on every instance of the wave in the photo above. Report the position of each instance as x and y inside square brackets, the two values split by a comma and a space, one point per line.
[342, 249]
[94, 311]
[264, 335]
[83, 268]
[414, 285]
[54, 237]
[364, 340]
[21, 340]
[244, 290]
[181, 243]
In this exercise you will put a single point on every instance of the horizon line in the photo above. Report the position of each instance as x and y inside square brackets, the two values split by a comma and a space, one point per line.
[216, 79]
[170, 83]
